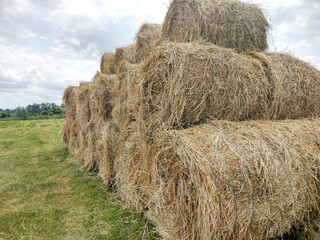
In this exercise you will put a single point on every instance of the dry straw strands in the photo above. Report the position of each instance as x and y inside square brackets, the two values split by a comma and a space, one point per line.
[146, 37]
[227, 180]
[125, 91]
[295, 85]
[107, 64]
[69, 99]
[105, 149]
[189, 83]
[125, 54]
[130, 168]
[100, 100]
[70, 128]
[83, 103]
[227, 23]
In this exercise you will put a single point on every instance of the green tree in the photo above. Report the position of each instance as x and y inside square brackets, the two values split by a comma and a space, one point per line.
[56, 110]
[3, 114]
[44, 113]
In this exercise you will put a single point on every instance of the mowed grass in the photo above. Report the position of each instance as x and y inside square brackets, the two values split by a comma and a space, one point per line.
[44, 195]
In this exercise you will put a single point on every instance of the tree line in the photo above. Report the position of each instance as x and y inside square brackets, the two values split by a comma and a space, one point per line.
[33, 110]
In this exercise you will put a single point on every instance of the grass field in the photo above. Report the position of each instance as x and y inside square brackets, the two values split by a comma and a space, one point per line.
[44, 195]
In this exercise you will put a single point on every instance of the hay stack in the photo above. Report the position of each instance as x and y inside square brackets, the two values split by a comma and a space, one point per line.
[130, 169]
[227, 180]
[124, 54]
[125, 92]
[184, 84]
[70, 128]
[107, 64]
[101, 105]
[227, 23]
[100, 93]
[83, 103]
[109, 133]
[146, 37]
[69, 100]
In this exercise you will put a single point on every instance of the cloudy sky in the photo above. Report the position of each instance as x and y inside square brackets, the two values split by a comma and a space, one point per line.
[46, 45]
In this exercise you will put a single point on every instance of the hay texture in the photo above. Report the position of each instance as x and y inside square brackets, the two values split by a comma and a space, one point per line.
[100, 101]
[146, 37]
[125, 54]
[109, 133]
[125, 92]
[295, 86]
[83, 103]
[70, 128]
[227, 180]
[227, 23]
[131, 169]
[107, 64]
[184, 84]
[100, 94]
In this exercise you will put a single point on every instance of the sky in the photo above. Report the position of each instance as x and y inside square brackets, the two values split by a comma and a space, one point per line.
[47, 45]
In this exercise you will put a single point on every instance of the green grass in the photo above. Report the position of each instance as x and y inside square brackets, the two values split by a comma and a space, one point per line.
[44, 195]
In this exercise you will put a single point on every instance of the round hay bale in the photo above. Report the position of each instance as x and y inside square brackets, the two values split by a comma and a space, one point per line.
[100, 93]
[131, 171]
[124, 94]
[69, 100]
[83, 103]
[100, 105]
[295, 85]
[228, 180]
[82, 151]
[227, 23]
[107, 64]
[183, 84]
[105, 149]
[70, 128]
[125, 54]
[91, 135]
[146, 37]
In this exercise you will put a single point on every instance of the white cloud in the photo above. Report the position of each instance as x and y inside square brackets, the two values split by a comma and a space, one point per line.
[39, 78]
[48, 45]
[27, 34]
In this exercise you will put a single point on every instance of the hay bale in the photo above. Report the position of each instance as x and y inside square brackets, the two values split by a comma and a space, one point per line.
[227, 23]
[83, 104]
[131, 171]
[124, 54]
[107, 64]
[90, 158]
[100, 105]
[146, 37]
[100, 94]
[83, 144]
[124, 94]
[106, 151]
[69, 100]
[70, 128]
[296, 85]
[227, 180]
[184, 84]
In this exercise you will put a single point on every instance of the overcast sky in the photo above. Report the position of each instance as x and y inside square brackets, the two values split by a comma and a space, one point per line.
[46, 45]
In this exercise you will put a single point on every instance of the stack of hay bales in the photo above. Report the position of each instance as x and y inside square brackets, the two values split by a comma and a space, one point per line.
[71, 128]
[199, 129]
